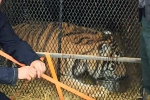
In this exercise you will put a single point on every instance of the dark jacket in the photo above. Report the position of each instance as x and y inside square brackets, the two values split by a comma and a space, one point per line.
[141, 9]
[147, 9]
[144, 9]
[15, 47]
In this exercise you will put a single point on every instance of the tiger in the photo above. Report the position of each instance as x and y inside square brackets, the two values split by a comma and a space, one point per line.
[75, 39]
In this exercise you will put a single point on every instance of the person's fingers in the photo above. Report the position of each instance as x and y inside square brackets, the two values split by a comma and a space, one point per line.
[27, 72]
[39, 66]
[29, 78]
[41, 69]
[32, 76]
[33, 73]
[44, 67]
[33, 70]
[38, 71]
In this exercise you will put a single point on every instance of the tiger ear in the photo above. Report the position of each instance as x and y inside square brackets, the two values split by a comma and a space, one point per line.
[42, 58]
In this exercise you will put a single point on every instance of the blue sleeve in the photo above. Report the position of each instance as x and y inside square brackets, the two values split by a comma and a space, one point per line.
[15, 47]
[8, 75]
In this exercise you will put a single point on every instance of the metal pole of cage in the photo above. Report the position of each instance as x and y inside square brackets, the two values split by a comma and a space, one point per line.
[59, 38]
[92, 57]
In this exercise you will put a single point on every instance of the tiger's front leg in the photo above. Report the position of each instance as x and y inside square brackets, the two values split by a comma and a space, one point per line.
[79, 68]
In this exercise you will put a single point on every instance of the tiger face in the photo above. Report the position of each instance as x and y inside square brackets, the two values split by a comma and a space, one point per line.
[102, 70]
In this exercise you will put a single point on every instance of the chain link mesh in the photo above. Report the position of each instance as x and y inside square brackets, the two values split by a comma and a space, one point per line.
[79, 27]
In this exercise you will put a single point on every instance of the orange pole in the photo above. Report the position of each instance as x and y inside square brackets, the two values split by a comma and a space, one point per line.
[52, 70]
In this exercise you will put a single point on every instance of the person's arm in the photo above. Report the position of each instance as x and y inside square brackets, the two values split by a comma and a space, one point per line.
[13, 45]
[21, 51]
[8, 75]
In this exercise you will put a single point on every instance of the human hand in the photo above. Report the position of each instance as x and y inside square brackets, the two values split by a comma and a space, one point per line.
[39, 66]
[26, 72]
[0, 1]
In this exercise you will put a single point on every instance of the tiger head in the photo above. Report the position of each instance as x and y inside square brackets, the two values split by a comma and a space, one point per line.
[102, 70]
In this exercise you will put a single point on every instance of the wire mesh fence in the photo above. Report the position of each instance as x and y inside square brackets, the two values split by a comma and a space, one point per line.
[86, 27]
